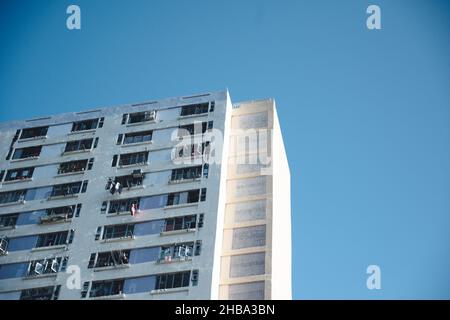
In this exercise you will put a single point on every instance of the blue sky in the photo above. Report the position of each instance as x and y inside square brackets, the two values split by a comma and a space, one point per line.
[365, 114]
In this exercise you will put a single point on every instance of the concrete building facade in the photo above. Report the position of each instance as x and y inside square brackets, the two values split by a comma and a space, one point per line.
[156, 200]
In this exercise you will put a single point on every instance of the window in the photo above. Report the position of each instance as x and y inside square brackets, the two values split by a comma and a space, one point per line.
[60, 213]
[43, 293]
[11, 146]
[211, 108]
[172, 280]
[19, 174]
[106, 288]
[137, 137]
[100, 123]
[142, 116]
[12, 196]
[130, 181]
[84, 125]
[133, 158]
[176, 198]
[29, 152]
[34, 132]
[118, 231]
[186, 173]
[72, 166]
[180, 251]
[193, 128]
[44, 266]
[78, 145]
[180, 223]
[123, 205]
[90, 163]
[8, 220]
[119, 139]
[194, 277]
[52, 239]
[66, 189]
[192, 150]
[109, 259]
[3, 245]
[114, 161]
[194, 109]
[2, 174]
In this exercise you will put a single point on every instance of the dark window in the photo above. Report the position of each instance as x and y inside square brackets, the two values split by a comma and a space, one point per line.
[84, 125]
[193, 128]
[8, 220]
[133, 158]
[27, 152]
[91, 163]
[124, 118]
[192, 150]
[34, 132]
[203, 194]
[52, 239]
[118, 231]
[142, 116]
[106, 288]
[65, 211]
[78, 145]
[119, 139]
[114, 161]
[122, 205]
[110, 258]
[19, 174]
[95, 143]
[12, 196]
[130, 181]
[100, 123]
[44, 293]
[183, 197]
[72, 166]
[2, 174]
[179, 251]
[66, 189]
[136, 137]
[84, 186]
[180, 223]
[194, 109]
[211, 108]
[44, 266]
[186, 173]
[172, 280]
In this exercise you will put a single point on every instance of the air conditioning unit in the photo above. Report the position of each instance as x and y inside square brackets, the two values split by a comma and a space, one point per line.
[150, 115]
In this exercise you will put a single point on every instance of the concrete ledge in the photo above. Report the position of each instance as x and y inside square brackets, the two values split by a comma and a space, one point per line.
[171, 290]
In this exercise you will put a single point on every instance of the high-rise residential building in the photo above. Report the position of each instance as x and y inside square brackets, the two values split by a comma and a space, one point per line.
[180, 198]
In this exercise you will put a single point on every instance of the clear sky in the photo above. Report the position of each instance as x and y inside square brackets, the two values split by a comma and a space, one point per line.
[365, 114]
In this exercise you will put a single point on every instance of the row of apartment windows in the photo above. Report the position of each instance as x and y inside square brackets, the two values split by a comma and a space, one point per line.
[64, 167]
[60, 190]
[140, 284]
[187, 110]
[33, 268]
[189, 222]
[129, 230]
[35, 151]
[155, 201]
[38, 132]
[42, 216]
[160, 254]
[36, 241]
